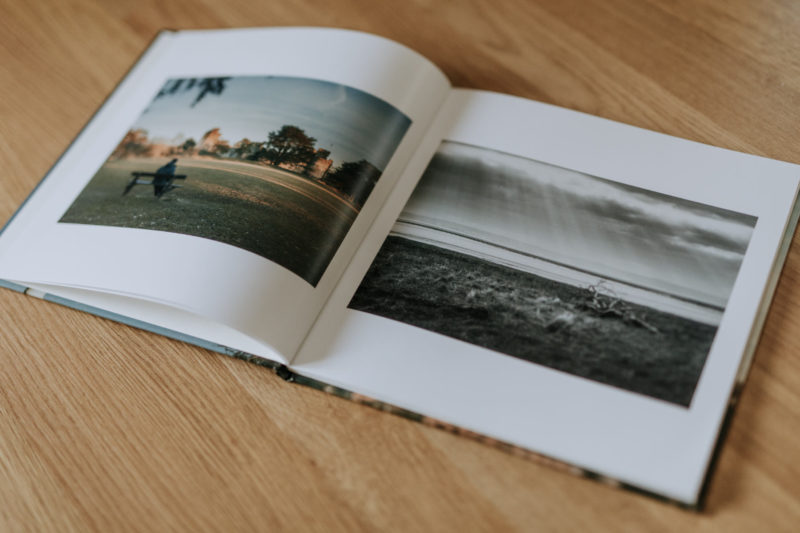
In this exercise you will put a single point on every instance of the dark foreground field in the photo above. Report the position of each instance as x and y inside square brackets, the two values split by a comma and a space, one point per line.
[285, 218]
[567, 328]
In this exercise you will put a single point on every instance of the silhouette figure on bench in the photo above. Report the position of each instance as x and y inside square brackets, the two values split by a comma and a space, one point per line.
[162, 179]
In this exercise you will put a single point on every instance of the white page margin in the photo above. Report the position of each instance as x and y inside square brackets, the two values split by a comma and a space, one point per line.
[240, 289]
[649, 443]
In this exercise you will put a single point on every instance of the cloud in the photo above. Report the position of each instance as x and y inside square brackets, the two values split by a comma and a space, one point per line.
[622, 208]
[591, 223]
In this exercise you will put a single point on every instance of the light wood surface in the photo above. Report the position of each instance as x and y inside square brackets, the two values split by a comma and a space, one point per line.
[107, 428]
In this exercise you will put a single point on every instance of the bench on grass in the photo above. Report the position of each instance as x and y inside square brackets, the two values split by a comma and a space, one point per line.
[161, 183]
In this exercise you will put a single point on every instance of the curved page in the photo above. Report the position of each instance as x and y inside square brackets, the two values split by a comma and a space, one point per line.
[581, 288]
[231, 175]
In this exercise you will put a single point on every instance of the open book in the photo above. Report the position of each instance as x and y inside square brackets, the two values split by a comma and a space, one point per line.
[324, 202]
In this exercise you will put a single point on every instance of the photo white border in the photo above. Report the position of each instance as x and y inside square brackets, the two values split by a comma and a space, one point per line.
[652, 444]
[240, 289]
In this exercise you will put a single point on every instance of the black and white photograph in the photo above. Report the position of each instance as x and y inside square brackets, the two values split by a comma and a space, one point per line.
[278, 166]
[610, 282]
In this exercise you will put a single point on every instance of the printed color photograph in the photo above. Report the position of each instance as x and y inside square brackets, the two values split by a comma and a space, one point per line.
[277, 166]
[605, 281]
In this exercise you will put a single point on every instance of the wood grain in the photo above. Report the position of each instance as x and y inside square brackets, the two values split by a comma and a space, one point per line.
[103, 427]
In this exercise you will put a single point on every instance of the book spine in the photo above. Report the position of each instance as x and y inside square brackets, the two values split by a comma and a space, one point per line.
[288, 375]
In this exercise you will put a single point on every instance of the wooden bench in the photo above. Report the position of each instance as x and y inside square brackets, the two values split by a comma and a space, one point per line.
[139, 178]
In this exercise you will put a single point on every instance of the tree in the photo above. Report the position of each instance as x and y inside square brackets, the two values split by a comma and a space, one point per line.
[318, 154]
[222, 147]
[188, 146]
[245, 148]
[260, 154]
[210, 139]
[205, 86]
[290, 145]
[134, 143]
[355, 179]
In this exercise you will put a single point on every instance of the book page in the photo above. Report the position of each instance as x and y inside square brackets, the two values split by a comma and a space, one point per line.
[564, 283]
[231, 176]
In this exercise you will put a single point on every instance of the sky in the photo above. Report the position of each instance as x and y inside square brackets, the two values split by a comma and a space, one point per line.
[613, 230]
[350, 123]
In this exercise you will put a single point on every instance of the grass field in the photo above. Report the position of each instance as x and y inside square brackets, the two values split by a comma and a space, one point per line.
[535, 319]
[285, 218]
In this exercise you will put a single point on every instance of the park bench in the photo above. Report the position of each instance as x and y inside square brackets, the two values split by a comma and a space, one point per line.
[165, 181]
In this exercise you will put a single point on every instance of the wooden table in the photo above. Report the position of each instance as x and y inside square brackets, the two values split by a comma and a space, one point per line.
[104, 427]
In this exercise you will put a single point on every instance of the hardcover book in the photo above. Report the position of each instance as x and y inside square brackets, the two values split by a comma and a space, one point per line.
[325, 203]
